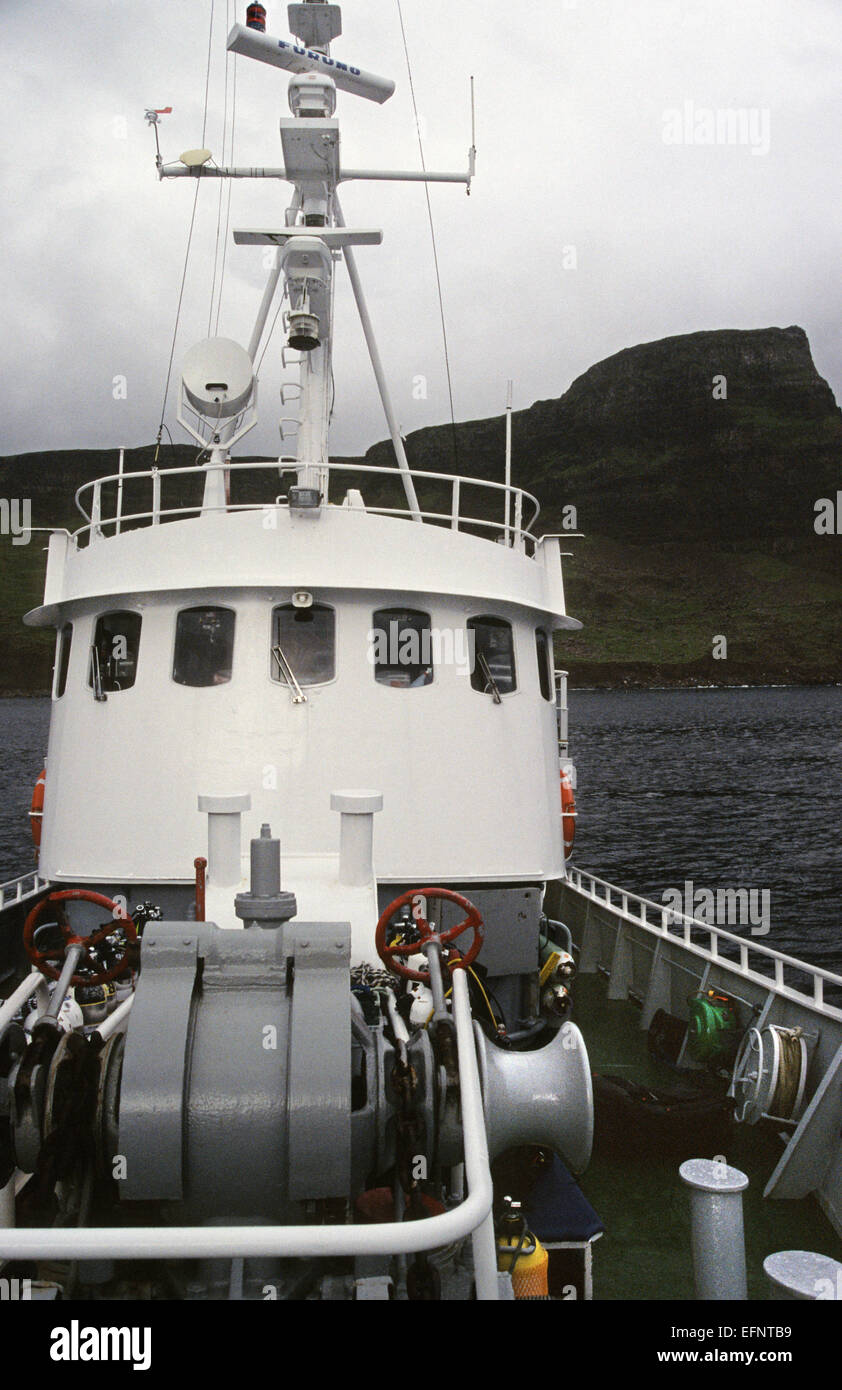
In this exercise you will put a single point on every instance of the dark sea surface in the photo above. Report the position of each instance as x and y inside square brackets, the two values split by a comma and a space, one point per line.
[24, 724]
[726, 788]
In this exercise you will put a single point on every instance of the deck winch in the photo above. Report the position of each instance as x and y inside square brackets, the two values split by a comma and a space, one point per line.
[252, 1087]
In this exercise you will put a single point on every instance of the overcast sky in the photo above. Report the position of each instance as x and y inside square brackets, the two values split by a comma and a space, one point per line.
[578, 161]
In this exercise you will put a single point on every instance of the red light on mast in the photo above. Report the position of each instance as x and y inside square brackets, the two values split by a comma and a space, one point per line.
[256, 18]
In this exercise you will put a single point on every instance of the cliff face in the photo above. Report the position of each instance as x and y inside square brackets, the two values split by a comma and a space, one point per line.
[720, 435]
[694, 465]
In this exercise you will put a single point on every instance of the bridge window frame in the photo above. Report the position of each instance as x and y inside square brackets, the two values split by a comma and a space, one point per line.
[114, 674]
[300, 615]
[212, 676]
[418, 674]
[508, 685]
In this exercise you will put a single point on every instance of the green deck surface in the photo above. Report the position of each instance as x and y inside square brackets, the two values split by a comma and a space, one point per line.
[645, 1252]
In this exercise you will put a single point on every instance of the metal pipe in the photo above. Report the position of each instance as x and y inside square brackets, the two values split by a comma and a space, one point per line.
[394, 431]
[18, 997]
[113, 1021]
[290, 1242]
[258, 171]
[200, 864]
[120, 494]
[474, 1138]
[508, 476]
[399, 1028]
[432, 951]
[265, 306]
[72, 957]
[716, 1211]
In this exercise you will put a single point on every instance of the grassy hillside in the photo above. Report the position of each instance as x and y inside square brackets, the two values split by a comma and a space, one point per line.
[697, 502]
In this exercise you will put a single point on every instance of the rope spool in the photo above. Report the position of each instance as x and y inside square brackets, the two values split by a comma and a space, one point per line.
[770, 1075]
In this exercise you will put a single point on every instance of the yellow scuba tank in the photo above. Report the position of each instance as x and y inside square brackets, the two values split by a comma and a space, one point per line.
[521, 1254]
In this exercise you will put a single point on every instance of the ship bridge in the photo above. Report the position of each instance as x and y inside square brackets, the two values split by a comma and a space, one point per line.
[279, 651]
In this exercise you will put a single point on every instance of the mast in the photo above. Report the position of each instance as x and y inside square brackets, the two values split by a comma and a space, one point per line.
[314, 234]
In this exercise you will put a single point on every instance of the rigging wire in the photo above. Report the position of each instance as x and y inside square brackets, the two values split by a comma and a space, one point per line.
[432, 238]
[177, 318]
[161, 426]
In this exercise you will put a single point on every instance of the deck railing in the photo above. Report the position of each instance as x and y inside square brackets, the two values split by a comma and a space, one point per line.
[667, 923]
[512, 501]
[17, 890]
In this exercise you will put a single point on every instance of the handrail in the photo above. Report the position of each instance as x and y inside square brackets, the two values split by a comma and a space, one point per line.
[232, 1242]
[15, 886]
[96, 521]
[586, 884]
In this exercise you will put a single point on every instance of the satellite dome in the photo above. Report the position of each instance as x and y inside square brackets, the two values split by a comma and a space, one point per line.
[218, 377]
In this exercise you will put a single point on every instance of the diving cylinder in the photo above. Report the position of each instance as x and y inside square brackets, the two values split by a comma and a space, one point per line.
[521, 1254]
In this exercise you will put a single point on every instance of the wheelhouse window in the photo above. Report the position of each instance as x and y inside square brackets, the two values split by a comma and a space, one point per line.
[494, 656]
[204, 646]
[114, 650]
[65, 637]
[303, 644]
[400, 647]
[542, 650]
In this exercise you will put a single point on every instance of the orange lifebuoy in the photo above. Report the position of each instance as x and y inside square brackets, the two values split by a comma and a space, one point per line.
[568, 813]
[36, 812]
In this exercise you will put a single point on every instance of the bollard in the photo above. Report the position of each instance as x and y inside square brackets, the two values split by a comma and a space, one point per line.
[224, 838]
[803, 1275]
[356, 834]
[716, 1210]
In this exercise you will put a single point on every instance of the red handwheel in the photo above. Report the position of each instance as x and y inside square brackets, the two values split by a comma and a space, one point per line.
[390, 954]
[44, 960]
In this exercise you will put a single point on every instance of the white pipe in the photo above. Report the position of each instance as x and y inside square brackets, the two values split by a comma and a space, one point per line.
[508, 478]
[399, 1028]
[113, 1021]
[391, 420]
[10, 1006]
[119, 495]
[262, 171]
[265, 306]
[296, 1242]
[474, 1139]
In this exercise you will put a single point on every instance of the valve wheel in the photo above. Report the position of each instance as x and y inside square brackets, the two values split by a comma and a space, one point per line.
[390, 954]
[45, 960]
